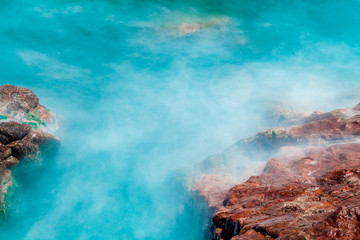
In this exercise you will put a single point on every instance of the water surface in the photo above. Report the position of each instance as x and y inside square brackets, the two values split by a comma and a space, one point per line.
[139, 100]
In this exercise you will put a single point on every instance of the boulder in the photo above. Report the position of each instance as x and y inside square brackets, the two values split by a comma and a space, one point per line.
[20, 135]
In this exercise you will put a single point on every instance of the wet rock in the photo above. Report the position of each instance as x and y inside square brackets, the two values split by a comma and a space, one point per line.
[249, 156]
[29, 146]
[187, 28]
[11, 161]
[287, 115]
[316, 132]
[357, 107]
[22, 104]
[5, 152]
[5, 182]
[15, 98]
[20, 140]
[13, 131]
[213, 189]
[308, 190]
[299, 196]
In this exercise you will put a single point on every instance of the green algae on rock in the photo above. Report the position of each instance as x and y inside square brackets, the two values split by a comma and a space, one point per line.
[23, 134]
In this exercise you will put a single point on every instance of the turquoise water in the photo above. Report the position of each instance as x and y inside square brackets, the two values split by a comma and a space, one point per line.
[140, 101]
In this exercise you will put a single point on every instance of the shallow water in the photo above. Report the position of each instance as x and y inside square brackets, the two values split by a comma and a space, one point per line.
[139, 100]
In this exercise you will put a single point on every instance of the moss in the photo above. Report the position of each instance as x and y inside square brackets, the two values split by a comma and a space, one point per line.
[2, 117]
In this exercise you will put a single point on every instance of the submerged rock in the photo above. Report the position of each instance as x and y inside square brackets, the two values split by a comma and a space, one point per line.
[188, 28]
[22, 132]
[309, 190]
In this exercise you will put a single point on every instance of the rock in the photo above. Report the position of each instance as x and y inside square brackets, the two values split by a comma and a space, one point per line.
[29, 146]
[20, 135]
[250, 154]
[315, 132]
[5, 152]
[297, 197]
[22, 104]
[357, 107]
[309, 189]
[287, 115]
[187, 28]
[213, 189]
[5, 182]
[11, 161]
[15, 98]
[13, 131]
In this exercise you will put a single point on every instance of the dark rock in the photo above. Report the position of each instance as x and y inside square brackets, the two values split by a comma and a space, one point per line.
[13, 131]
[11, 161]
[29, 146]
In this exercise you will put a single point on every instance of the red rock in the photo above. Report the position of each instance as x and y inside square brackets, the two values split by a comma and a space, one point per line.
[308, 191]
[287, 115]
[316, 132]
[213, 189]
[357, 107]
[294, 195]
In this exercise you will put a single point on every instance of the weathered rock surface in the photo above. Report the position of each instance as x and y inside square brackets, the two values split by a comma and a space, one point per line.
[332, 129]
[213, 189]
[314, 196]
[309, 190]
[287, 115]
[20, 139]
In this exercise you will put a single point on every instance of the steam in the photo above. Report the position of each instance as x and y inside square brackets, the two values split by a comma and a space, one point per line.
[139, 102]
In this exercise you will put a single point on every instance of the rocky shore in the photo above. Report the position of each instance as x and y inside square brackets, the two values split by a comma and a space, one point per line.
[24, 125]
[309, 189]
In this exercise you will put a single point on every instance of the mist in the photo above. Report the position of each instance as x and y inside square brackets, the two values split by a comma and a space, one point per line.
[144, 91]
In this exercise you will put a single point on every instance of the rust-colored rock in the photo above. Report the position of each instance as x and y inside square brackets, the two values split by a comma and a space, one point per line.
[309, 190]
[315, 132]
[213, 189]
[314, 196]
[287, 115]
[357, 107]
